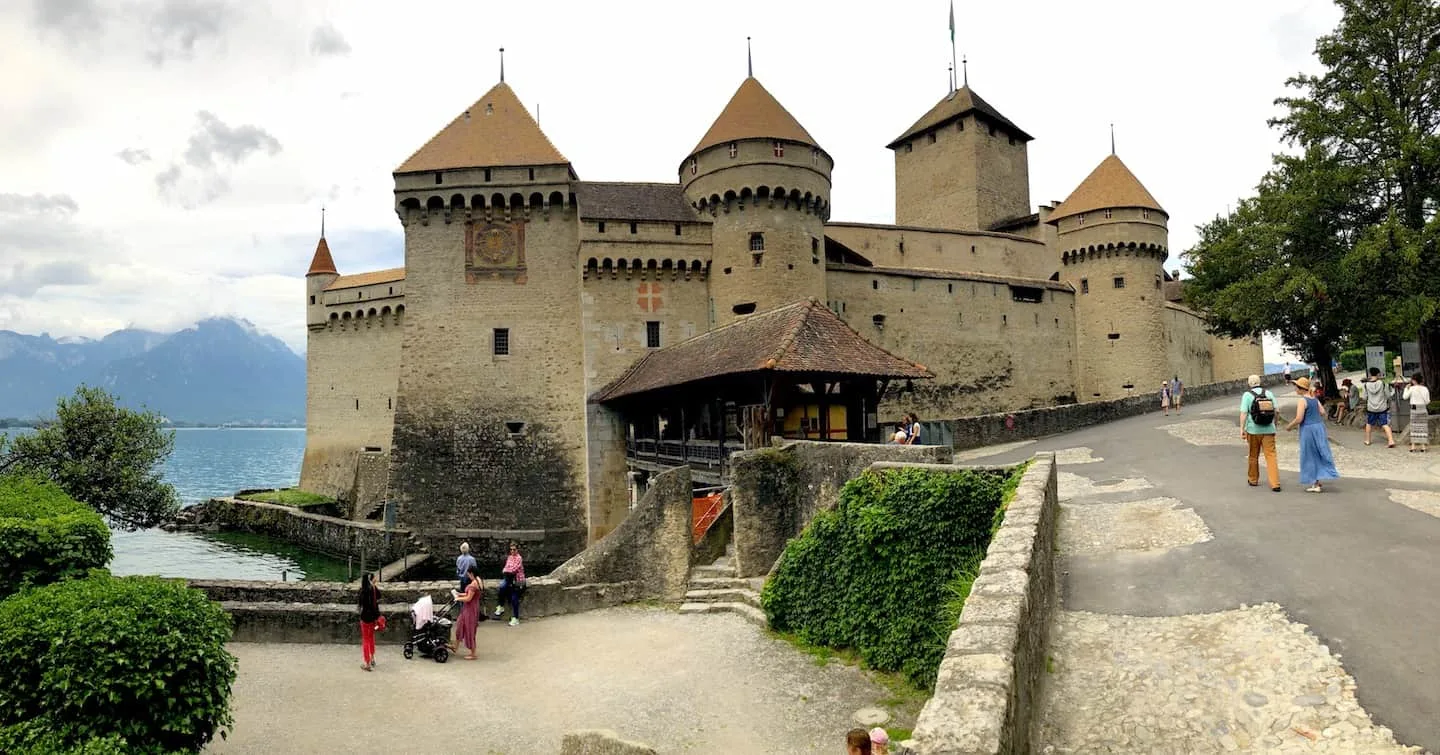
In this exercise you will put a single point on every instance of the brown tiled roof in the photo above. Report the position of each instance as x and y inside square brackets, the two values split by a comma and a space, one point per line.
[753, 113]
[801, 337]
[634, 201]
[322, 262]
[958, 103]
[1110, 185]
[368, 279]
[496, 131]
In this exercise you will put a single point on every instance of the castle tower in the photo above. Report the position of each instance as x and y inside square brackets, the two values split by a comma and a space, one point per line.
[766, 183]
[322, 273]
[489, 439]
[1113, 241]
[962, 167]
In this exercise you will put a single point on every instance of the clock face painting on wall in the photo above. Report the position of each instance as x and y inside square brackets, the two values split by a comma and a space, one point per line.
[495, 250]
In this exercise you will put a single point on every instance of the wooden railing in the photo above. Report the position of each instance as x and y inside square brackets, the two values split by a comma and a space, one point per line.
[698, 453]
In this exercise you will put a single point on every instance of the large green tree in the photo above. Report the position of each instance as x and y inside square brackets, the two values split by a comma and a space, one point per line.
[101, 454]
[1376, 109]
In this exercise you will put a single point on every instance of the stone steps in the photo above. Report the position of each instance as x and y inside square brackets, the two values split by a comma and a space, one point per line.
[744, 610]
[713, 571]
[720, 583]
[732, 595]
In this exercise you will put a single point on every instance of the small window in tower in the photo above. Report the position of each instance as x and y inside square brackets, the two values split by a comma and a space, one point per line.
[1027, 294]
[727, 271]
[1082, 218]
[909, 147]
[734, 149]
[743, 309]
[878, 321]
[389, 403]
[532, 174]
[1119, 281]
[757, 242]
[489, 108]
[600, 227]
[439, 178]
[814, 157]
[779, 149]
[694, 166]
[357, 404]
[756, 258]
[1114, 337]
[487, 174]
[652, 334]
[312, 300]
[1157, 281]
[814, 250]
[392, 290]
[359, 294]
[1084, 285]
[992, 130]
[634, 227]
[972, 248]
[1012, 141]
[950, 288]
[1004, 319]
[902, 246]
[677, 229]
[932, 137]
[1145, 214]
[874, 285]
[960, 125]
[500, 345]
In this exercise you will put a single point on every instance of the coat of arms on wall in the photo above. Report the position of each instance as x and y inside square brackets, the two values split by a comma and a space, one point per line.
[494, 250]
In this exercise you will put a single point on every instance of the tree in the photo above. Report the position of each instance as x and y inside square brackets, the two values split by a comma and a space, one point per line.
[1277, 263]
[101, 454]
[1376, 109]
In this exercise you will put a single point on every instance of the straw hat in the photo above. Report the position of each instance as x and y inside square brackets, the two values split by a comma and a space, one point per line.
[1302, 384]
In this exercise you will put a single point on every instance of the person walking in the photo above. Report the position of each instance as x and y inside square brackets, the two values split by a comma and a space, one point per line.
[1377, 406]
[1257, 428]
[512, 583]
[470, 613]
[463, 564]
[1418, 394]
[912, 429]
[1165, 397]
[1177, 391]
[1287, 372]
[369, 617]
[1316, 463]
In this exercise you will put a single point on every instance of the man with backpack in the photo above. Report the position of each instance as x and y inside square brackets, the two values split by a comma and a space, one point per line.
[1257, 422]
[1377, 406]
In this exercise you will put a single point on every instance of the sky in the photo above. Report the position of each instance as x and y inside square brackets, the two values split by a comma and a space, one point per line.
[162, 161]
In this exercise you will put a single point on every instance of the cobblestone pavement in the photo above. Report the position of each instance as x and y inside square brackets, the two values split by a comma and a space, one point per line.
[1151, 524]
[1072, 485]
[1424, 501]
[1352, 457]
[681, 683]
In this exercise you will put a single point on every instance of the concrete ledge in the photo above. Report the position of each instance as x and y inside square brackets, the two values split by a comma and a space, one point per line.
[322, 534]
[600, 742]
[987, 690]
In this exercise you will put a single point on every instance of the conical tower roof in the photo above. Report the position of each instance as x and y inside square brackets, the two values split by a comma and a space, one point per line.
[1110, 185]
[494, 132]
[322, 263]
[958, 103]
[754, 113]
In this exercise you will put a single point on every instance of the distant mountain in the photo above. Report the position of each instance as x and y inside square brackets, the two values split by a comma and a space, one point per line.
[221, 370]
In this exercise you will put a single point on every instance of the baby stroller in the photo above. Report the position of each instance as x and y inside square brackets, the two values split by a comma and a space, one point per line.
[431, 635]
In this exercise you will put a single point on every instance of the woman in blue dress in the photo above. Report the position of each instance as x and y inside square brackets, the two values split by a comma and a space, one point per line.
[1316, 463]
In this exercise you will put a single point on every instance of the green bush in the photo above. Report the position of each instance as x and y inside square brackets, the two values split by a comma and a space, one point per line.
[141, 658]
[886, 571]
[34, 738]
[1353, 360]
[46, 536]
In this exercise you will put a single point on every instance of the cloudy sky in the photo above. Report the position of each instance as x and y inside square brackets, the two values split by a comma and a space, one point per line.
[165, 160]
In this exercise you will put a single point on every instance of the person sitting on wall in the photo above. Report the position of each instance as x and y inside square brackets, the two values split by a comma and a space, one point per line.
[512, 583]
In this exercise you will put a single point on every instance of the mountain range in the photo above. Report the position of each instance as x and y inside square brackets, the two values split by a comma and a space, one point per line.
[220, 371]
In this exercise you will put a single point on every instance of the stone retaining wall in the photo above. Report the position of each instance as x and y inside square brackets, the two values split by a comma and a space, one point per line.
[988, 687]
[993, 429]
[601, 742]
[323, 534]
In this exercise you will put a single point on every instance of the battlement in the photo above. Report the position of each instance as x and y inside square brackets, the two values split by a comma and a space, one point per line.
[362, 318]
[1110, 250]
[652, 269]
[794, 199]
[458, 206]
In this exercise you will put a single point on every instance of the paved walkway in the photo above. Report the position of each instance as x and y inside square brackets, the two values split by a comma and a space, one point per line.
[702, 684]
[1203, 615]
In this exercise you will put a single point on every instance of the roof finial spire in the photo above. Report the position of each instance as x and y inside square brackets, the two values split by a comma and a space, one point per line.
[1112, 138]
[950, 78]
[502, 65]
[749, 61]
[322, 221]
[965, 70]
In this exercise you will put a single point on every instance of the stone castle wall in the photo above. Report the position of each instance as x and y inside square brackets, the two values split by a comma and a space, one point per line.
[952, 251]
[987, 349]
[965, 175]
[1188, 347]
[1236, 358]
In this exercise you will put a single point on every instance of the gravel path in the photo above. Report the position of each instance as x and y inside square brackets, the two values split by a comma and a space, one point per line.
[703, 684]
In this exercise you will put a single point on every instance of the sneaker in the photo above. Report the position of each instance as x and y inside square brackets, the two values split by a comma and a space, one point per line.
[1276, 488]
[1314, 489]
[514, 622]
[499, 610]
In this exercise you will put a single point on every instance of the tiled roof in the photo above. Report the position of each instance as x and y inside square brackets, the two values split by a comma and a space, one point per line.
[803, 337]
[322, 262]
[634, 201]
[926, 272]
[958, 103]
[496, 131]
[368, 279]
[753, 113]
[1110, 185]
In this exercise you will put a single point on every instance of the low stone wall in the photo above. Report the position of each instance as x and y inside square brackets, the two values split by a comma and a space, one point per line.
[986, 694]
[323, 534]
[776, 491]
[993, 429]
[600, 742]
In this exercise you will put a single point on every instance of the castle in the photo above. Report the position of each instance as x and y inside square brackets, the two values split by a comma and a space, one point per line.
[480, 386]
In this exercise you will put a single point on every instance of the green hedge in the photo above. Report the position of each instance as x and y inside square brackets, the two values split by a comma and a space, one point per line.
[32, 739]
[141, 658]
[46, 536]
[1353, 360]
[886, 571]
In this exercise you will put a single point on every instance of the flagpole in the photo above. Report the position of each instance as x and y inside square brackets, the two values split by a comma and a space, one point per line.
[953, 66]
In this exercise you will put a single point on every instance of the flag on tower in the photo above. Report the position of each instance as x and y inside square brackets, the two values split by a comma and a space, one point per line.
[952, 20]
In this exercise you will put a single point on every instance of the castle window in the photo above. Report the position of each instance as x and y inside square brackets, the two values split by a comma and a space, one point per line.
[909, 147]
[1004, 319]
[392, 290]
[1119, 281]
[500, 345]
[600, 227]
[359, 294]
[779, 149]
[972, 248]
[677, 229]
[1082, 218]
[634, 227]
[743, 309]
[487, 174]
[357, 404]
[814, 157]
[652, 334]
[1157, 281]
[1084, 285]
[757, 242]
[932, 137]
[439, 178]
[515, 429]
[756, 258]
[312, 300]
[960, 125]
[532, 174]
[389, 404]
[950, 288]
[734, 149]
[874, 285]
[1027, 294]
[814, 250]
[914, 284]
[1116, 337]
[694, 166]
[1145, 214]
[992, 130]
[727, 271]
[878, 321]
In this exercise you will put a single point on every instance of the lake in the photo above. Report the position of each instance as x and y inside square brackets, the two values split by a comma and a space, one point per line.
[210, 462]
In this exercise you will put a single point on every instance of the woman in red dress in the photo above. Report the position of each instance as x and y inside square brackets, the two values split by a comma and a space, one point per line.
[369, 616]
[469, 613]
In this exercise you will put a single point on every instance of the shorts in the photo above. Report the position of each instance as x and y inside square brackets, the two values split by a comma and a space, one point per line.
[1377, 419]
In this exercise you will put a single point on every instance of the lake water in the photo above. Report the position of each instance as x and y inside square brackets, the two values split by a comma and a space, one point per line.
[210, 462]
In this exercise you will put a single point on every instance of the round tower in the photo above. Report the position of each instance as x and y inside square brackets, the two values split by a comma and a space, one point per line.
[1113, 241]
[322, 273]
[765, 183]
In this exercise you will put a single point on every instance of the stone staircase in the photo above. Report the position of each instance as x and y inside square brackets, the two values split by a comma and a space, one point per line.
[715, 588]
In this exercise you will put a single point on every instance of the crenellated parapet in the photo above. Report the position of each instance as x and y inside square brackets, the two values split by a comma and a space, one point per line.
[1092, 252]
[601, 268]
[769, 197]
[497, 206]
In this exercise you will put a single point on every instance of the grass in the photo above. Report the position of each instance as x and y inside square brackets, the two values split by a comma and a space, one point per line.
[289, 497]
[904, 700]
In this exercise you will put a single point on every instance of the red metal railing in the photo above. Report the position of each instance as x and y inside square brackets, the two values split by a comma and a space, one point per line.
[703, 513]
